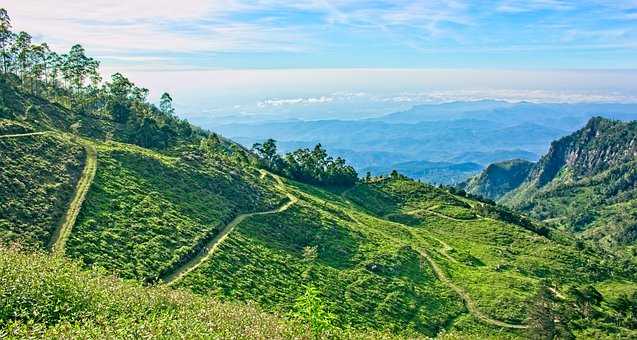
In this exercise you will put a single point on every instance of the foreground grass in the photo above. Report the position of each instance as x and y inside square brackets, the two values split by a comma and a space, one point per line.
[42, 296]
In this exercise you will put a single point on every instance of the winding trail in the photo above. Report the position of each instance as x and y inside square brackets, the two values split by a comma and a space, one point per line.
[440, 274]
[213, 244]
[468, 301]
[25, 134]
[61, 234]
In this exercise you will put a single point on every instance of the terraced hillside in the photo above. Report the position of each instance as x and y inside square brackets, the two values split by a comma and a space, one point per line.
[387, 255]
[400, 255]
[147, 213]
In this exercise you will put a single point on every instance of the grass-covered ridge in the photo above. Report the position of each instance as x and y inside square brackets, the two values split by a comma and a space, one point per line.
[363, 263]
[146, 213]
[37, 177]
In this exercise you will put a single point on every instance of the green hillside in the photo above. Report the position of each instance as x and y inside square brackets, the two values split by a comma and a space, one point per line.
[37, 178]
[210, 236]
[587, 183]
[51, 297]
[498, 179]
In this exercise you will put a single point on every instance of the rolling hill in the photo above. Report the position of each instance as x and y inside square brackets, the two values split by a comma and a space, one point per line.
[173, 206]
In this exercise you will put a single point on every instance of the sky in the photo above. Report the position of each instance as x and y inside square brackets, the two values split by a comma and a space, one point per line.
[259, 56]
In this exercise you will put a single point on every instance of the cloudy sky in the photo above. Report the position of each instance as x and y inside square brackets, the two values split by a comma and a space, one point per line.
[225, 55]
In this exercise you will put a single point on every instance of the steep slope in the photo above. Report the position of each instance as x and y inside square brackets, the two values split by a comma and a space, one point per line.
[587, 182]
[498, 179]
[37, 177]
[399, 255]
[147, 213]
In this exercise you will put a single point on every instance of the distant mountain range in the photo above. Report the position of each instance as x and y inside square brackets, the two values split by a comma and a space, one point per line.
[479, 132]
[431, 172]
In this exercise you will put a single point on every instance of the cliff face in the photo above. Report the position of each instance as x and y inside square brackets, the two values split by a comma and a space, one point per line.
[588, 182]
[600, 145]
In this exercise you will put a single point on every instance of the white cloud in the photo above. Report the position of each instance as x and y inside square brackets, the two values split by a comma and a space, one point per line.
[149, 26]
[295, 101]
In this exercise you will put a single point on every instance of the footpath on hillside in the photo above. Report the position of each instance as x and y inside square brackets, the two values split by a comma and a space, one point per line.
[440, 274]
[24, 134]
[213, 244]
[62, 232]
[468, 301]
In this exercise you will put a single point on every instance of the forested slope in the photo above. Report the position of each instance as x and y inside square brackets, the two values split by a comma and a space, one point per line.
[587, 182]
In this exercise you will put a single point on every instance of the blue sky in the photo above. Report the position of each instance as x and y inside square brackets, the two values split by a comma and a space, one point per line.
[148, 37]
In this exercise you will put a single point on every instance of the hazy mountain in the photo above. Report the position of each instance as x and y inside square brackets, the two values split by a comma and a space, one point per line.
[430, 172]
[486, 158]
[557, 115]
[480, 132]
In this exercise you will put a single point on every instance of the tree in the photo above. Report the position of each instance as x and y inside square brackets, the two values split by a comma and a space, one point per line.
[311, 309]
[118, 92]
[20, 50]
[166, 104]
[6, 39]
[77, 68]
[267, 152]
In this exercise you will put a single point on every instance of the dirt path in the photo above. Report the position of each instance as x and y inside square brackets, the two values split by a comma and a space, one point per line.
[212, 246]
[468, 301]
[61, 234]
[25, 134]
[445, 249]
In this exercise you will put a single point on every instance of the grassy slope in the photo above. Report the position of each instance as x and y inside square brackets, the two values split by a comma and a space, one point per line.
[499, 264]
[147, 212]
[369, 269]
[50, 297]
[368, 276]
[36, 183]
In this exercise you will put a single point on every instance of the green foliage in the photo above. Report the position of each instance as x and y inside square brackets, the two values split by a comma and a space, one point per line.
[367, 279]
[50, 297]
[311, 309]
[36, 183]
[313, 167]
[147, 213]
[587, 183]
